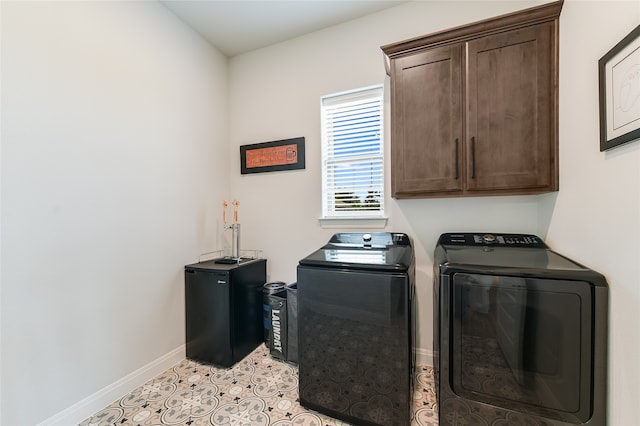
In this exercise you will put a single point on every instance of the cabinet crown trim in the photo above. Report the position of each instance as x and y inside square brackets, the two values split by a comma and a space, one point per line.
[531, 16]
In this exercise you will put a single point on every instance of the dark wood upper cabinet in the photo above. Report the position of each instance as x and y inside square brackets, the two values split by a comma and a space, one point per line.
[427, 122]
[474, 109]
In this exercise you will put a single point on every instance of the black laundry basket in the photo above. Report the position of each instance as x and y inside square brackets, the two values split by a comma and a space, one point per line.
[278, 324]
[282, 309]
[267, 290]
[292, 323]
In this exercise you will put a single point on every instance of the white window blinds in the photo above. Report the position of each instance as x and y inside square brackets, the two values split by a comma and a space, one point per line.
[352, 153]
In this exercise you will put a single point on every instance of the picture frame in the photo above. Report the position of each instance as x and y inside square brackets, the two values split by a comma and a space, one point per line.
[284, 154]
[619, 89]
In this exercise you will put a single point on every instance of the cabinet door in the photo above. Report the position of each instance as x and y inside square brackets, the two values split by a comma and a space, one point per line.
[511, 138]
[208, 317]
[426, 146]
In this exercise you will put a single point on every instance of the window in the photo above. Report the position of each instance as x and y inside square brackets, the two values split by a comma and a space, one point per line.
[353, 154]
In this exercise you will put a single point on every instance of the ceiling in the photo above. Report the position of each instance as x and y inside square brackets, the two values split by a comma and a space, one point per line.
[238, 26]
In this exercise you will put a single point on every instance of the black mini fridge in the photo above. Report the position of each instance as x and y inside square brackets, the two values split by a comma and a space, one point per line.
[355, 328]
[223, 307]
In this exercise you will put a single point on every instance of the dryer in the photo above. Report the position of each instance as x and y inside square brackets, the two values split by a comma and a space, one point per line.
[520, 333]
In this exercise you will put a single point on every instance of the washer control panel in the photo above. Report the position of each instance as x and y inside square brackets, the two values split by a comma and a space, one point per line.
[370, 239]
[490, 239]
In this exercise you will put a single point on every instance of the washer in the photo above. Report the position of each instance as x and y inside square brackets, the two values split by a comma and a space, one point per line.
[356, 328]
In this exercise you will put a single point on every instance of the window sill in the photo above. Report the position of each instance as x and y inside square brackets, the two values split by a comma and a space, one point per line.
[353, 222]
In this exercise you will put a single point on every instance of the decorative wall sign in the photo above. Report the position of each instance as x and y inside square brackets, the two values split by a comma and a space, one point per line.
[285, 154]
[619, 80]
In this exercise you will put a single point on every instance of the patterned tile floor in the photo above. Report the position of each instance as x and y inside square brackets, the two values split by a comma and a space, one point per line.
[257, 391]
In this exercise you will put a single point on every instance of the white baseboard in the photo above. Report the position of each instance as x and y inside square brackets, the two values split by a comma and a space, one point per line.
[424, 357]
[99, 400]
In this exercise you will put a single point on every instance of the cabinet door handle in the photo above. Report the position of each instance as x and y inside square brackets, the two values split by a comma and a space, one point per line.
[457, 162]
[473, 157]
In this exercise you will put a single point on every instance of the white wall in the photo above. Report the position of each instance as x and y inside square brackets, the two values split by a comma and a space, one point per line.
[114, 164]
[274, 94]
